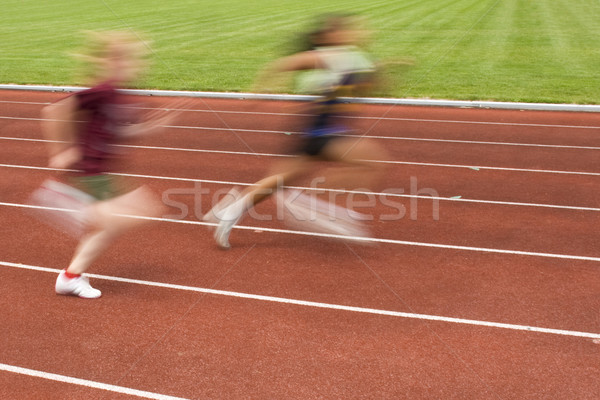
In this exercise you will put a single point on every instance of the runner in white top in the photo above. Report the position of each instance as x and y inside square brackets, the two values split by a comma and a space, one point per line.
[335, 67]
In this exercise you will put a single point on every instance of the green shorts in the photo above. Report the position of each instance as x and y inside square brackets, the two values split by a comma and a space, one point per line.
[101, 187]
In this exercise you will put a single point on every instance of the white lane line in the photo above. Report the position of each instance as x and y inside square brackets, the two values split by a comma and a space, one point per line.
[435, 140]
[341, 237]
[403, 119]
[358, 117]
[483, 168]
[551, 146]
[473, 167]
[379, 194]
[35, 103]
[321, 305]
[86, 383]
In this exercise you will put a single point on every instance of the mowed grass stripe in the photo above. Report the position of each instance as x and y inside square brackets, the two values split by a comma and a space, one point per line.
[456, 22]
[507, 50]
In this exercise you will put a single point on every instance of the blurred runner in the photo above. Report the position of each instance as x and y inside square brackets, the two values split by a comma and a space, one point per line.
[337, 68]
[84, 127]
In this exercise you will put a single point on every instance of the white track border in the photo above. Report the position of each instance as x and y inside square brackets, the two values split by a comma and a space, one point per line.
[364, 100]
[87, 383]
[314, 304]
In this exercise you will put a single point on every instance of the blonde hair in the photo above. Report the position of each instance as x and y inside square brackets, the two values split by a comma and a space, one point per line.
[103, 46]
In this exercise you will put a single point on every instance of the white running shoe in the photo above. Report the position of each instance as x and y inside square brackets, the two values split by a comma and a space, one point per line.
[76, 287]
[215, 213]
[223, 230]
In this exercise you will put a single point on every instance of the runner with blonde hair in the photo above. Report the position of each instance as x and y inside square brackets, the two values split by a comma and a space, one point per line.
[83, 129]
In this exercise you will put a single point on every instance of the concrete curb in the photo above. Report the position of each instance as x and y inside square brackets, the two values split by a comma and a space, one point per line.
[363, 100]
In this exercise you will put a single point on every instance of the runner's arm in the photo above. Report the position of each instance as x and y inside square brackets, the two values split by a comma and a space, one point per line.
[59, 128]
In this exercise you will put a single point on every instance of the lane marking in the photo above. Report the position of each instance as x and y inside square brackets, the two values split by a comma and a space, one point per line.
[434, 140]
[319, 304]
[86, 383]
[341, 237]
[403, 119]
[386, 194]
[552, 146]
[479, 167]
[243, 153]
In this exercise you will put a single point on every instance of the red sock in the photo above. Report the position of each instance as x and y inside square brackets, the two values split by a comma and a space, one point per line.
[71, 276]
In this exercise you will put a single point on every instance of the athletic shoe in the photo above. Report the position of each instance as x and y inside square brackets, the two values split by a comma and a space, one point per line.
[79, 286]
[214, 215]
[223, 230]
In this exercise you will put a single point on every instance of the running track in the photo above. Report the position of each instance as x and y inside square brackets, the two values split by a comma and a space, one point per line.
[499, 298]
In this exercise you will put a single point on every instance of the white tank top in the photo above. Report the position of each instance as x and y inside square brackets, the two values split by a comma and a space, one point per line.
[339, 62]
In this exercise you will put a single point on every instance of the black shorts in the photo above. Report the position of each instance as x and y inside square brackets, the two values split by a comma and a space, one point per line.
[313, 145]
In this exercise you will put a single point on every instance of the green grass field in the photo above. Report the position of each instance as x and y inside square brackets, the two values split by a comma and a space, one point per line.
[508, 50]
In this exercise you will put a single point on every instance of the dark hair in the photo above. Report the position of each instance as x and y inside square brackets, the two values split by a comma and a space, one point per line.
[325, 23]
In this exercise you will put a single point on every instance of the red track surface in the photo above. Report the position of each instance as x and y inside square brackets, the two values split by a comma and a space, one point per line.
[195, 345]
